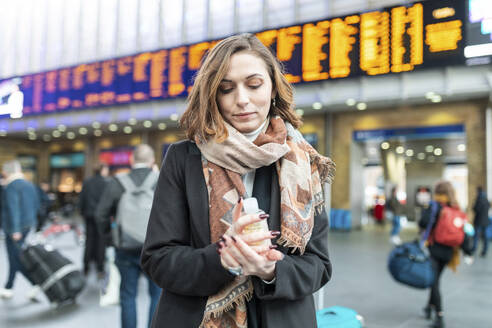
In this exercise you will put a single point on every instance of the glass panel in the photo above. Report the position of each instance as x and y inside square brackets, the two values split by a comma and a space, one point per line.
[54, 34]
[149, 24]
[38, 36]
[221, 17]
[310, 10]
[107, 28]
[172, 19]
[8, 11]
[280, 13]
[196, 20]
[71, 33]
[250, 15]
[23, 39]
[127, 27]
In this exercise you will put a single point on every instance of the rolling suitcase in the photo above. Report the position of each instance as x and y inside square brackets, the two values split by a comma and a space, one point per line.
[57, 276]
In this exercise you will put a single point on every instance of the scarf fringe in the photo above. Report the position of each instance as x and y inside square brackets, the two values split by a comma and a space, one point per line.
[288, 243]
[217, 313]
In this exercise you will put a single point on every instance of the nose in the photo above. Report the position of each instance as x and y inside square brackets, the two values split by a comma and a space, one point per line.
[242, 97]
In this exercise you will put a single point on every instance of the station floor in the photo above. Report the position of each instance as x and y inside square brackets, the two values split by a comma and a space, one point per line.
[360, 281]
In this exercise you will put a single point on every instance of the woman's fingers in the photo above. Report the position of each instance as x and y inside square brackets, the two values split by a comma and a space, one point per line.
[256, 238]
[274, 255]
[248, 219]
[227, 260]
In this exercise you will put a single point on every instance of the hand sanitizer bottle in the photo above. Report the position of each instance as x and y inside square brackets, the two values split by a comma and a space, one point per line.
[250, 206]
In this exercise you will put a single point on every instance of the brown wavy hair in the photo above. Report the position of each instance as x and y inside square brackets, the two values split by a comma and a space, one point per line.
[446, 188]
[202, 119]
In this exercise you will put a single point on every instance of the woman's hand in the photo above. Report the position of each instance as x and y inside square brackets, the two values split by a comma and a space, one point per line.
[252, 251]
[254, 260]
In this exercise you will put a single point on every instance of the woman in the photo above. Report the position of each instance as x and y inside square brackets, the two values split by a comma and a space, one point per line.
[441, 255]
[394, 210]
[242, 142]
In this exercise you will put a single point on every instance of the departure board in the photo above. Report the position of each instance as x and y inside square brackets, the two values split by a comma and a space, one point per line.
[386, 41]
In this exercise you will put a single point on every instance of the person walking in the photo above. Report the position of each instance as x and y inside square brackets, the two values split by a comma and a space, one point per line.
[217, 268]
[394, 210]
[44, 204]
[90, 195]
[122, 199]
[441, 254]
[481, 221]
[20, 204]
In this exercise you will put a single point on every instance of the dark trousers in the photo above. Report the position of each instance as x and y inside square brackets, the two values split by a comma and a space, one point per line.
[13, 254]
[94, 246]
[128, 264]
[435, 294]
[480, 232]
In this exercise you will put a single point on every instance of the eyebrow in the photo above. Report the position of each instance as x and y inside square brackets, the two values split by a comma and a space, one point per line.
[247, 78]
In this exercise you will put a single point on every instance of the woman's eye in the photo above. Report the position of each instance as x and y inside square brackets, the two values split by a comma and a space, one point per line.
[225, 90]
[255, 86]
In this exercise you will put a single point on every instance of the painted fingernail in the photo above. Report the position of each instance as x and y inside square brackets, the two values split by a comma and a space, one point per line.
[239, 200]
[275, 233]
[233, 239]
[264, 216]
[273, 246]
[222, 238]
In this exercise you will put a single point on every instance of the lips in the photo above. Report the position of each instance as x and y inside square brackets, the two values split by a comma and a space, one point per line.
[244, 115]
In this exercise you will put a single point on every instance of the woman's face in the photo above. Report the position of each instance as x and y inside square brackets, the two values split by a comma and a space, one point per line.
[245, 93]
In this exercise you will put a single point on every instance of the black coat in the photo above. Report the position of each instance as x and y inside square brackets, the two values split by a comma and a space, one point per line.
[90, 195]
[481, 209]
[179, 256]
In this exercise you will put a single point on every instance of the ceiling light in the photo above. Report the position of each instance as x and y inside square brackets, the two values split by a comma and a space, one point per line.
[174, 117]
[361, 106]
[132, 121]
[46, 137]
[317, 105]
[3, 133]
[30, 130]
[409, 152]
[147, 124]
[162, 126]
[97, 133]
[436, 99]
[350, 102]
[385, 145]
[83, 131]
[62, 128]
[56, 134]
[32, 136]
[300, 112]
[461, 147]
[127, 129]
[438, 151]
[400, 150]
[70, 135]
[113, 127]
[96, 125]
[429, 148]
[421, 156]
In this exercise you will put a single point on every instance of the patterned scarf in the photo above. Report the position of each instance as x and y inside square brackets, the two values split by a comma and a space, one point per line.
[302, 173]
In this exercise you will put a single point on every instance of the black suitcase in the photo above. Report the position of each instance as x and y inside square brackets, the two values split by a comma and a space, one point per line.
[57, 276]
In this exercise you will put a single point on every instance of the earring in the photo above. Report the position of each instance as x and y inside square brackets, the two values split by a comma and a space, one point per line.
[273, 102]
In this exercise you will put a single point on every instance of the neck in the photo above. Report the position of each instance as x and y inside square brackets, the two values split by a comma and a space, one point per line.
[251, 136]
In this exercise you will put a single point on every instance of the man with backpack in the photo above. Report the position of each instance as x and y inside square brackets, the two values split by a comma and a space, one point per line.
[123, 212]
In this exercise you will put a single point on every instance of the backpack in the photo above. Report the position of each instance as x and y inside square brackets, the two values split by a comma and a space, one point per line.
[449, 228]
[133, 211]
